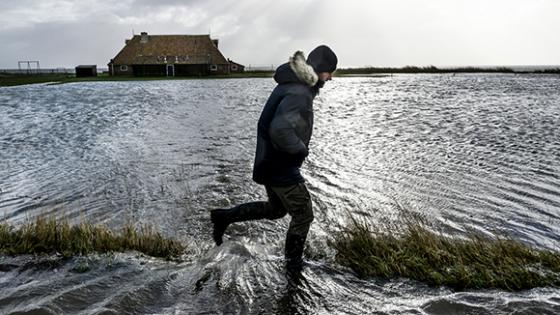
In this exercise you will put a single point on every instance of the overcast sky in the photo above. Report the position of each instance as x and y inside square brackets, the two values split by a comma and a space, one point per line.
[65, 33]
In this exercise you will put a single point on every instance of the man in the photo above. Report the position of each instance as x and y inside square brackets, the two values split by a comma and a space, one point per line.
[284, 132]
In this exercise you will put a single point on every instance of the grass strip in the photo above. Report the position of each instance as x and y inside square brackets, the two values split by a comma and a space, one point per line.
[433, 69]
[13, 80]
[49, 235]
[413, 251]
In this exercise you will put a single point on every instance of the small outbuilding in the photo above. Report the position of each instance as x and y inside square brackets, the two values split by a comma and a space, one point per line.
[86, 71]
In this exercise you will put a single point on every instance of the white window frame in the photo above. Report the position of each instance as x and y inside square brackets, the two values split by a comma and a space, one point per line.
[124, 68]
[213, 67]
[234, 67]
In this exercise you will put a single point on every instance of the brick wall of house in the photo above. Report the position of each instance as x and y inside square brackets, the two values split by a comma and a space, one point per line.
[120, 70]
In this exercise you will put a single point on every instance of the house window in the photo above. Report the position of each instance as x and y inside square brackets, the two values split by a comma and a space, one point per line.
[124, 68]
[234, 67]
[213, 67]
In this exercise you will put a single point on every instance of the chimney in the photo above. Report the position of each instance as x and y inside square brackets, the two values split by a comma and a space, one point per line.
[215, 41]
[143, 37]
[126, 41]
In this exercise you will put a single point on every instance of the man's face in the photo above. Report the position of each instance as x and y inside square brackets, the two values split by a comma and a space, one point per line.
[325, 76]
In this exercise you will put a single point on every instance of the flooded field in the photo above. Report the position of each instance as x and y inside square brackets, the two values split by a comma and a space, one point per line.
[471, 152]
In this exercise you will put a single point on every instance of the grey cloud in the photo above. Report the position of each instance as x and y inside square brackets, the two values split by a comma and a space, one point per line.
[62, 44]
[266, 32]
[151, 3]
[6, 5]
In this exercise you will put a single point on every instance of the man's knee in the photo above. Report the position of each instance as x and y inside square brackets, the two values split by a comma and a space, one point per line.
[301, 221]
[305, 212]
[305, 216]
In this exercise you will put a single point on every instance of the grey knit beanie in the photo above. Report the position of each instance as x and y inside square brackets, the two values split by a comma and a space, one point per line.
[322, 59]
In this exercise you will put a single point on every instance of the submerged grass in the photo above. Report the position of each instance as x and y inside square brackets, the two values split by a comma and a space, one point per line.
[49, 235]
[413, 251]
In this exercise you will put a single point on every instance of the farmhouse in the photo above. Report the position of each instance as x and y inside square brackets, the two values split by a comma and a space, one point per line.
[171, 55]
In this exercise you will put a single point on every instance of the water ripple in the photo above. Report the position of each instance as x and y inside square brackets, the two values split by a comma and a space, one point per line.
[472, 151]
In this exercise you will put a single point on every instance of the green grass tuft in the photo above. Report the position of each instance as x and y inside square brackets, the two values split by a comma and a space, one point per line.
[414, 251]
[49, 235]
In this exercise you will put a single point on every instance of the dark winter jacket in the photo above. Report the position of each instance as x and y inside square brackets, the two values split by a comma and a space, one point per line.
[285, 125]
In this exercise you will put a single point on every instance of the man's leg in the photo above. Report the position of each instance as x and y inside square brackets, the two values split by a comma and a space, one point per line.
[222, 218]
[297, 201]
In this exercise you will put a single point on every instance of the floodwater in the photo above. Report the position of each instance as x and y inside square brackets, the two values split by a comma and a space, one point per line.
[470, 152]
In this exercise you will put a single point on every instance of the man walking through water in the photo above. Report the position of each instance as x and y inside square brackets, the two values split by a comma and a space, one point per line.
[284, 132]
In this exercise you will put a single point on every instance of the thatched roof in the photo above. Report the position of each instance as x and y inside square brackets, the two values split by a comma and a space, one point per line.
[231, 62]
[169, 49]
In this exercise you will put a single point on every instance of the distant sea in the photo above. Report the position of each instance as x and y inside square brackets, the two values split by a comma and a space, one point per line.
[514, 68]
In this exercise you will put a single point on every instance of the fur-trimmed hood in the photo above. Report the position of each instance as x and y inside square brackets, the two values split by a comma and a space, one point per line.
[301, 71]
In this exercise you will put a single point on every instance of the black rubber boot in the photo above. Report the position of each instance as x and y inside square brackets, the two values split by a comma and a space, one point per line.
[294, 254]
[221, 221]
[222, 218]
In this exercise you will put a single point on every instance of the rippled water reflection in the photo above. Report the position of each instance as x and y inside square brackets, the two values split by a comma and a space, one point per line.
[470, 151]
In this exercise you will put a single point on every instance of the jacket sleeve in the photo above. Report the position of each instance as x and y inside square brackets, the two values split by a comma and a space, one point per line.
[284, 125]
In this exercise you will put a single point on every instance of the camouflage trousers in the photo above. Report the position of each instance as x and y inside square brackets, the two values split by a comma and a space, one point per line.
[294, 200]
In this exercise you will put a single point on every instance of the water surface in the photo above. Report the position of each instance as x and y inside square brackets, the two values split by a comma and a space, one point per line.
[468, 151]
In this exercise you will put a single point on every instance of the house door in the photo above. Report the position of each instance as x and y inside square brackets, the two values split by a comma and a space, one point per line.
[170, 70]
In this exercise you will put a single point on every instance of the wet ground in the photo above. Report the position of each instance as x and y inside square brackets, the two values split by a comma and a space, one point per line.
[468, 151]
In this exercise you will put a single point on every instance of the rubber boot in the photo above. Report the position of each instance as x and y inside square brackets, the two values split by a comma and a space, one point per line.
[294, 254]
[222, 218]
